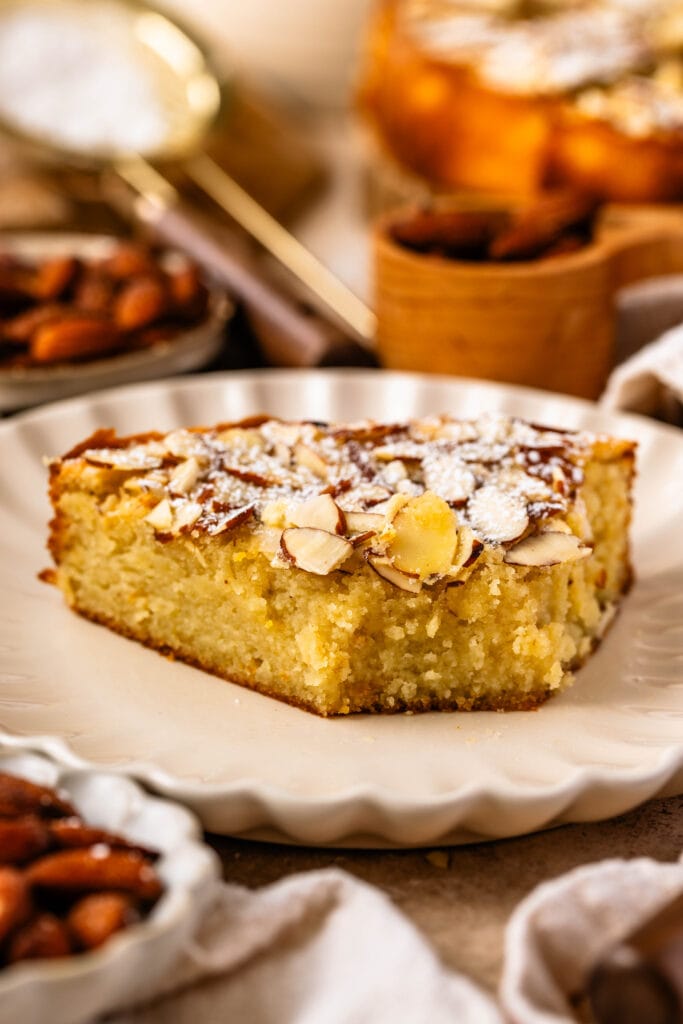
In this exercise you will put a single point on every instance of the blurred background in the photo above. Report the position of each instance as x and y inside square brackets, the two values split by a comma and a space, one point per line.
[286, 150]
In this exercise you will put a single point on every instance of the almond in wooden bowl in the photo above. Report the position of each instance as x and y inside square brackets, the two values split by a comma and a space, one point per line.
[524, 295]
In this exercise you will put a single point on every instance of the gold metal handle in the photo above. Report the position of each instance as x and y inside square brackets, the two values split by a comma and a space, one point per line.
[289, 335]
[353, 313]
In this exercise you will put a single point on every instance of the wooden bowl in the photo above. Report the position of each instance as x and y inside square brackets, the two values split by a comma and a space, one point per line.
[547, 323]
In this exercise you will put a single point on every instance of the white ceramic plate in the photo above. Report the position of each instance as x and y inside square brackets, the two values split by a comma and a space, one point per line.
[131, 966]
[248, 764]
[23, 387]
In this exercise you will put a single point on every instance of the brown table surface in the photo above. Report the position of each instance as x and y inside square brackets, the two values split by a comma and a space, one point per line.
[461, 900]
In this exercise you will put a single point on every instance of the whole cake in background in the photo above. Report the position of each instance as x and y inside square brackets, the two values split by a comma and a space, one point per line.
[516, 95]
[433, 564]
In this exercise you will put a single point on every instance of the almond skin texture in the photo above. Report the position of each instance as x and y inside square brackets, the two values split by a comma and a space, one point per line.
[21, 839]
[19, 796]
[74, 338]
[140, 303]
[94, 292]
[448, 232]
[188, 294]
[95, 918]
[22, 328]
[73, 834]
[45, 937]
[54, 276]
[129, 260]
[15, 900]
[98, 867]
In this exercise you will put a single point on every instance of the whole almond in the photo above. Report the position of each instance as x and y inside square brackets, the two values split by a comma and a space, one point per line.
[188, 293]
[21, 328]
[72, 833]
[19, 796]
[93, 919]
[42, 938]
[129, 260]
[15, 900]
[94, 292]
[97, 867]
[54, 276]
[454, 233]
[140, 303]
[75, 338]
[21, 839]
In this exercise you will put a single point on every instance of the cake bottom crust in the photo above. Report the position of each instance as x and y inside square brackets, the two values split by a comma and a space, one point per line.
[357, 704]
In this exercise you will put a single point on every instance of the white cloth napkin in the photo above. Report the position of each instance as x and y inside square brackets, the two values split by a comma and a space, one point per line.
[324, 948]
[651, 381]
[559, 932]
[316, 948]
[649, 377]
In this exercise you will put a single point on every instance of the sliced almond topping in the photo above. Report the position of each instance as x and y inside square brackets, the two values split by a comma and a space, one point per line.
[182, 444]
[313, 550]
[310, 459]
[422, 537]
[249, 477]
[229, 519]
[184, 476]
[394, 472]
[407, 450]
[367, 495]
[403, 580]
[128, 460]
[187, 515]
[452, 482]
[467, 551]
[547, 549]
[359, 539]
[497, 516]
[477, 548]
[363, 522]
[321, 512]
[161, 516]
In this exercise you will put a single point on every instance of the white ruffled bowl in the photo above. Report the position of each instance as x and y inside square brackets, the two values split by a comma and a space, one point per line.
[130, 966]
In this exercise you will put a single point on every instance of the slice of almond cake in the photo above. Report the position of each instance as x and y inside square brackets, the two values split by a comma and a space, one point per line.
[432, 564]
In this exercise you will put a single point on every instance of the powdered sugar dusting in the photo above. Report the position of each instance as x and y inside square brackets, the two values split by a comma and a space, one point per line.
[500, 475]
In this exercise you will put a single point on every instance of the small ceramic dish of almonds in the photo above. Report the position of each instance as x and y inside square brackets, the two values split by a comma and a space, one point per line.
[101, 886]
[82, 312]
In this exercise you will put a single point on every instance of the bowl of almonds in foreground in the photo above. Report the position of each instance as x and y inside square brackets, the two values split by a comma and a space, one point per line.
[83, 312]
[101, 887]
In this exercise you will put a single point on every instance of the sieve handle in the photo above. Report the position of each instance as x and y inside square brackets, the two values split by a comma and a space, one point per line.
[353, 314]
[288, 333]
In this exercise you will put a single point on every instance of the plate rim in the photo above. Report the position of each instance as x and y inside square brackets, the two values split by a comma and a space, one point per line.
[281, 803]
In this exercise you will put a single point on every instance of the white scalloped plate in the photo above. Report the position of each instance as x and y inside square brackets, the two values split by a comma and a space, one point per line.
[131, 966]
[250, 765]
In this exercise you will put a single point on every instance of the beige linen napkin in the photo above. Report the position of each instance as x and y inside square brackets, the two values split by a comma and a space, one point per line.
[324, 948]
[559, 932]
[316, 948]
[649, 377]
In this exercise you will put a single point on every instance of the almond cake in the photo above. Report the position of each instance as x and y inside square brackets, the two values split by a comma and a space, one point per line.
[432, 564]
[511, 96]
